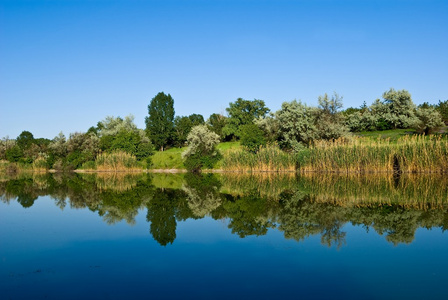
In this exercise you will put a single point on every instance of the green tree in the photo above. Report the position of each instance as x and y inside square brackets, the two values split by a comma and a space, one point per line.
[113, 125]
[329, 121]
[201, 151]
[252, 137]
[297, 125]
[243, 112]
[216, 123]
[14, 154]
[429, 120]
[270, 126]
[25, 140]
[183, 125]
[442, 108]
[160, 122]
[400, 109]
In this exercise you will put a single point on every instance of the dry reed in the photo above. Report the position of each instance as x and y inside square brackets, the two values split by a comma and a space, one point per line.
[269, 158]
[117, 161]
[414, 154]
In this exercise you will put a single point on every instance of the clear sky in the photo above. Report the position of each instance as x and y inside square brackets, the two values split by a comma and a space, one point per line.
[65, 65]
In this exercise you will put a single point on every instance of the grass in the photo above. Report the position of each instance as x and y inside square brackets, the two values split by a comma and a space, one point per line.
[393, 134]
[172, 158]
[168, 159]
[228, 146]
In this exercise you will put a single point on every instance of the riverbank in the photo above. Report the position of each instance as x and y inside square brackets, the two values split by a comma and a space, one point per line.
[405, 154]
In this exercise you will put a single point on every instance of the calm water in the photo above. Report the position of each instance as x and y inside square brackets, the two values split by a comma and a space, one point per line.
[223, 237]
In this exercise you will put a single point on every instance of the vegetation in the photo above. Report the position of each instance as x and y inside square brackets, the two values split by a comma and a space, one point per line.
[201, 151]
[159, 123]
[117, 161]
[242, 112]
[269, 158]
[415, 154]
[321, 138]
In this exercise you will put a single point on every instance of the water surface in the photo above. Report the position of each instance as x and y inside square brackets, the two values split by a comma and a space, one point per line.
[184, 236]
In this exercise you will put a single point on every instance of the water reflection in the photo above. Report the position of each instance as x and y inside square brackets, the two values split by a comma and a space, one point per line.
[252, 204]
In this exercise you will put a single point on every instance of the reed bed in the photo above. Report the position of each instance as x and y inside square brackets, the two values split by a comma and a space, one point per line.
[117, 161]
[267, 159]
[414, 154]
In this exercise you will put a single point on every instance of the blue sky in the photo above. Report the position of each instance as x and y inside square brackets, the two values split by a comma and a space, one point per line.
[65, 65]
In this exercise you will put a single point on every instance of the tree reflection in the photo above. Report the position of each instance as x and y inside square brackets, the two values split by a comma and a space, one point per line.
[161, 214]
[299, 207]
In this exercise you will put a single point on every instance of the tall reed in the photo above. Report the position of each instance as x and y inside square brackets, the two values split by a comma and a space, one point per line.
[269, 158]
[117, 161]
[416, 154]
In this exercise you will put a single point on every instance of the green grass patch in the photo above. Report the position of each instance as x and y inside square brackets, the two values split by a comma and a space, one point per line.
[172, 158]
[169, 159]
[228, 145]
[393, 134]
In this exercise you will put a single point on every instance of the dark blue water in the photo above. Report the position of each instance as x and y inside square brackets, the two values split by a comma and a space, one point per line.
[72, 253]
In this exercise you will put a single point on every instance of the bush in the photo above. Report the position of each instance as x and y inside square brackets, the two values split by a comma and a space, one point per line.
[252, 137]
[201, 151]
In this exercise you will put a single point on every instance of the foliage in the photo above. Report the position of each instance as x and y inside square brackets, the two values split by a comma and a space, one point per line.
[270, 126]
[25, 140]
[160, 122]
[442, 108]
[111, 126]
[5, 144]
[14, 154]
[400, 109]
[329, 121]
[252, 137]
[243, 112]
[429, 119]
[201, 151]
[297, 126]
[216, 123]
[182, 127]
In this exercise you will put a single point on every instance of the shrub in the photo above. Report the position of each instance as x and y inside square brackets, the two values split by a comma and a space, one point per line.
[201, 151]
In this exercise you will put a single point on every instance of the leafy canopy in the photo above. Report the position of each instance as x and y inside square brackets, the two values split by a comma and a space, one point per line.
[160, 122]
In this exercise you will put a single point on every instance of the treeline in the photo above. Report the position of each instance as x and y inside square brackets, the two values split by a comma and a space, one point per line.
[116, 143]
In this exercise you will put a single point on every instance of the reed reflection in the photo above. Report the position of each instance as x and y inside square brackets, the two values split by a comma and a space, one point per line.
[299, 207]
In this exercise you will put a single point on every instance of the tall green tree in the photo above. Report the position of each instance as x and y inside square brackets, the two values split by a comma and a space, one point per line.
[243, 112]
[160, 122]
[25, 140]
